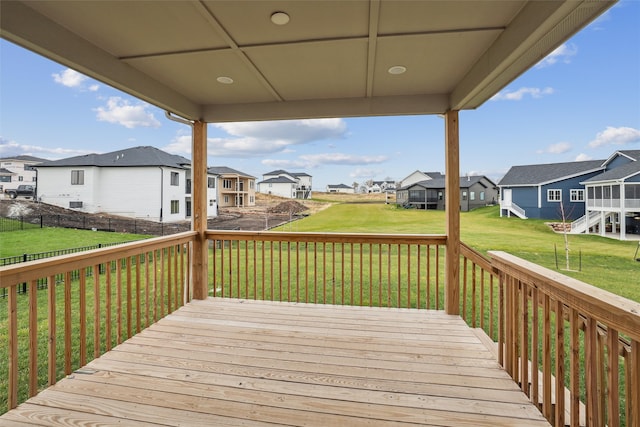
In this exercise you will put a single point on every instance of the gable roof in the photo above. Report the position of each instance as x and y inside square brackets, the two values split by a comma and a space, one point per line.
[629, 154]
[278, 180]
[224, 170]
[550, 172]
[440, 183]
[339, 186]
[136, 156]
[4, 171]
[23, 158]
[616, 174]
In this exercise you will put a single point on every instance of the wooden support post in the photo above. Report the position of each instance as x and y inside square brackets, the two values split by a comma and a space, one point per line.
[199, 212]
[452, 207]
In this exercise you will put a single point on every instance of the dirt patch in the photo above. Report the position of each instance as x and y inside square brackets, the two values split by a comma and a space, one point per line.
[559, 227]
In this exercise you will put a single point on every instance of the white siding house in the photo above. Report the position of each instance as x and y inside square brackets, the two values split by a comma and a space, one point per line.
[140, 182]
[296, 185]
[18, 170]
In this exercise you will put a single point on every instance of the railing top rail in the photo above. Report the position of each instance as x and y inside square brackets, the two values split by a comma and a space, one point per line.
[613, 310]
[24, 272]
[327, 237]
[475, 256]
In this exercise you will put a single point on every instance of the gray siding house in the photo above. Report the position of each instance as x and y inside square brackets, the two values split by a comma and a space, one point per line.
[475, 191]
[613, 197]
[537, 191]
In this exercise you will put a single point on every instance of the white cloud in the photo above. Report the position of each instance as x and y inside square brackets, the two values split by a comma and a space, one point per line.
[73, 79]
[616, 136]
[365, 173]
[316, 160]
[120, 111]
[562, 53]
[257, 139]
[583, 157]
[558, 148]
[13, 148]
[534, 92]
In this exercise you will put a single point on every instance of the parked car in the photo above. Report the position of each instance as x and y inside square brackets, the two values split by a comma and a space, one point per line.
[22, 190]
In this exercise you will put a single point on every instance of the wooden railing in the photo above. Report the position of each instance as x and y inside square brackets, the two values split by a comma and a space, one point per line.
[118, 292]
[574, 349]
[332, 268]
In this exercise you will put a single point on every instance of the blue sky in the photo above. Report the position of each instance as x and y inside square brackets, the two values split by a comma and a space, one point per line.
[581, 102]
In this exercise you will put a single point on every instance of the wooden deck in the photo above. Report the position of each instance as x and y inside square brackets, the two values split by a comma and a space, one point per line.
[231, 362]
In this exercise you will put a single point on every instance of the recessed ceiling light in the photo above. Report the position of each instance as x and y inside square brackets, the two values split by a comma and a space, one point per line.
[280, 18]
[397, 69]
[225, 80]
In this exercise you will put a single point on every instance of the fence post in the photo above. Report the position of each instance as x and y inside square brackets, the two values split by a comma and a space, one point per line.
[41, 221]
[21, 222]
[24, 284]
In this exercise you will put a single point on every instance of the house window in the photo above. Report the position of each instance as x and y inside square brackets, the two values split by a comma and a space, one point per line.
[77, 177]
[554, 195]
[577, 195]
[211, 202]
[251, 199]
[175, 178]
[251, 184]
[464, 195]
[211, 182]
[226, 183]
[606, 192]
[75, 205]
[226, 199]
[175, 206]
[20, 178]
[5, 178]
[472, 195]
[440, 195]
[482, 195]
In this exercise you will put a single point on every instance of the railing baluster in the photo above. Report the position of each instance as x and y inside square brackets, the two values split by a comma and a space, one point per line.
[146, 287]
[524, 339]
[574, 364]
[83, 317]
[546, 358]
[591, 371]
[107, 310]
[67, 322]
[129, 298]
[96, 311]
[559, 362]
[464, 289]
[613, 386]
[12, 325]
[51, 300]
[633, 384]
[119, 301]
[418, 276]
[33, 338]
[138, 294]
[535, 345]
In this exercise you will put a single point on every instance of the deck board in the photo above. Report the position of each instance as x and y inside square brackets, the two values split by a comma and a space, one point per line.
[230, 362]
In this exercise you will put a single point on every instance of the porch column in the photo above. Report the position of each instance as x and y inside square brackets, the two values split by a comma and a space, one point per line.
[199, 206]
[452, 208]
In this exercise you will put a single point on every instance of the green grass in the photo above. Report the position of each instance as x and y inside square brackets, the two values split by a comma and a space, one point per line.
[606, 263]
[13, 243]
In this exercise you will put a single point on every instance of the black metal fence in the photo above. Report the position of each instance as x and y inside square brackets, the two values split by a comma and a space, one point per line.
[93, 222]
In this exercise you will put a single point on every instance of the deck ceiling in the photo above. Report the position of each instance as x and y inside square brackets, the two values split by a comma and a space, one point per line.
[330, 60]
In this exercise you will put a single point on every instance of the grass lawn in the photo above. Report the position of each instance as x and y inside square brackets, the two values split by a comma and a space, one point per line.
[606, 263]
[14, 243]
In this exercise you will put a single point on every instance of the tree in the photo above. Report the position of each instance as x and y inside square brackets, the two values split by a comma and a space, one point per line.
[355, 186]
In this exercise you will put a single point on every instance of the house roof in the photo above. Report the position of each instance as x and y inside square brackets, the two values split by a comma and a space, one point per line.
[136, 156]
[23, 158]
[340, 186]
[278, 180]
[226, 61]
[438, 183]
[224, 170]
[546, 173]
[619, 173]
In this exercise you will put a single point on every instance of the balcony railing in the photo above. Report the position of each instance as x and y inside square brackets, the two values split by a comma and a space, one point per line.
[572, 348]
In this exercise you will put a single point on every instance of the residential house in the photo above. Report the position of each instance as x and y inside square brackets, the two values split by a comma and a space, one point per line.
[613, 197]
[340, 188]
[387, 186]
[17, 170]
[292, 185]
[475, 191]
[139, 182]
[418, 176]
[539, 191]
[235, 188]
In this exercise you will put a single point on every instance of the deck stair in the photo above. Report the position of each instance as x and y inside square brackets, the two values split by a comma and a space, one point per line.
[583, 223]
